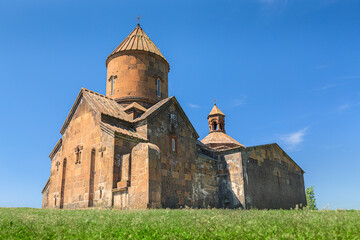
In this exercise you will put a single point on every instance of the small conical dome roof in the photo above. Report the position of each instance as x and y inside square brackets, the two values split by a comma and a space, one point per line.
[220, 141]
[216, 111]
[217, 139]
[136, 41]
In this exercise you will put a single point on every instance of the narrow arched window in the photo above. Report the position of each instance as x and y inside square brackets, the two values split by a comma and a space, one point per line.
[92, 178]
[173, 144]
[158, 87]
[214, 126]
[112, 86]
[111, 80]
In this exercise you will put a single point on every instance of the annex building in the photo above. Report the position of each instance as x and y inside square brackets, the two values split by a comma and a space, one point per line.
[135, 148]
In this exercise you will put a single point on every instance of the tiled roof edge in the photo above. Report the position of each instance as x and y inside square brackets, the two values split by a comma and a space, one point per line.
[55, 149]
[152, 111]
[72, 112]
[82, 94]
[46, 185]
[185, 117]
[115, 133]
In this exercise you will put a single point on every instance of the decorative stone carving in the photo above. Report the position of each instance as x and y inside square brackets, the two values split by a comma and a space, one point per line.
[57, 165]
[78, 151]
[102, 149]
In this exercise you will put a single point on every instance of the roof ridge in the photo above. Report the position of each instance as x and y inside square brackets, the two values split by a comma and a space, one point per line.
[153, 109]
[135, 105]
[96, 93]
[96, 101]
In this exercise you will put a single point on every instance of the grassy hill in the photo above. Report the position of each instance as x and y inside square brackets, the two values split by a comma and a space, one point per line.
[26, 223]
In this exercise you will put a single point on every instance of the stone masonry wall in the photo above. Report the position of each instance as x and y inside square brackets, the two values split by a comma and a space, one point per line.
[86, 179]
[177, 164]
[230, 179]
[204, 184]
[51, 198]
[272, 180]
[136, 76]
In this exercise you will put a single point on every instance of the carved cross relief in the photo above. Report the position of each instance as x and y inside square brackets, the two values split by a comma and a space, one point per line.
[78, 151]
[57, 165]
[102, 150]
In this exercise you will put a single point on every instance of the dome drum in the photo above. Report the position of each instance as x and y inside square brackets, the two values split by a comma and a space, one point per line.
[135, 77]
[137, 71]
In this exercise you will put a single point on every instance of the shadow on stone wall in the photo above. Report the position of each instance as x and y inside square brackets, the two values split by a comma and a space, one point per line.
[225, 193]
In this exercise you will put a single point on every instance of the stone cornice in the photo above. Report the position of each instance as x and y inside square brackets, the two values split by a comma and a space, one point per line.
[72, 112]
[207, 157]
[124, 122]
[135, 99]
[55, 149]
[117, 134]
[131, 52]
[230, 150]
[46, 186]
[129, 138]
[107, 130]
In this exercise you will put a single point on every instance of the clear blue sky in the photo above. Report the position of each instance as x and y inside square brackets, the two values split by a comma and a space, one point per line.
[282, 71]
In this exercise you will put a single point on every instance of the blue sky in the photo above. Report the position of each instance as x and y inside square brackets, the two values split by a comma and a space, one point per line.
[282, 71]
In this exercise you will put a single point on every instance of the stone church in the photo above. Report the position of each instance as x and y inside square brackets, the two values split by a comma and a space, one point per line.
[135, 148]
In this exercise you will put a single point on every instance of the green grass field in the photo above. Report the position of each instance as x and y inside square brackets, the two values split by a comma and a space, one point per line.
[26, 223]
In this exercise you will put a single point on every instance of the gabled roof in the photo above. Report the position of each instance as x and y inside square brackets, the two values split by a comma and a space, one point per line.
[46, 186]
[105, 105]
[99, 103]
[55, 149]
[153, 109]
[151, 112]
[136, 106]
[125, 133]
[137, 41]
[216, 111]
[108, 106]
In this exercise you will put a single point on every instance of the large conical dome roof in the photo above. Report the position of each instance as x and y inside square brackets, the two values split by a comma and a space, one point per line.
[136, 41]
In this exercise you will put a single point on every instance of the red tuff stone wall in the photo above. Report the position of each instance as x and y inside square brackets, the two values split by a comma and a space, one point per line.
[86, 179]
[122, 160]
[52, 198]
[143, 155]
[135, 78]
[46, 198]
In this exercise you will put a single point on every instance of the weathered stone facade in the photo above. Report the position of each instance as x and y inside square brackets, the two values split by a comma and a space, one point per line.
[135, 148]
